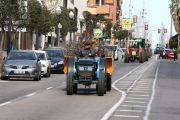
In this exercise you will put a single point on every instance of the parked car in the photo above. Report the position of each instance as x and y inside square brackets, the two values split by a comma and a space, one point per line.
[21, 64]
[45, 63]
[57, 59]
[120, 53]
[170, 54]
[123, 49]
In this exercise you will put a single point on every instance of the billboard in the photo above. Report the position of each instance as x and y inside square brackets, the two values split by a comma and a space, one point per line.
[125, 22]
[98, 33]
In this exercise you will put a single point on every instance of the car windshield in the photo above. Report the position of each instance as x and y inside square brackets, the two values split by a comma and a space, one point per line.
[54, 53]
[41, 56]
[111, 48]
[21, 56]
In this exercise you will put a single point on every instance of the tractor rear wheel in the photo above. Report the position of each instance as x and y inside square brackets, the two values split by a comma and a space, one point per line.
[70, 75]
[126, 60]
[102, 74]
[108, 82]
[141, 59]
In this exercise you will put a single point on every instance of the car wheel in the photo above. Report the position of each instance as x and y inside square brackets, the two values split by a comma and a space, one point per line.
[36, 78]
[47, 74]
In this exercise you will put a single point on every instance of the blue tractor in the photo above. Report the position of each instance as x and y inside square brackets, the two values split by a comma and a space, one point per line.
[88, 71]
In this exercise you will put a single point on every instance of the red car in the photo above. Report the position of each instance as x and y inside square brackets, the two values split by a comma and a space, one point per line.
[170, 54]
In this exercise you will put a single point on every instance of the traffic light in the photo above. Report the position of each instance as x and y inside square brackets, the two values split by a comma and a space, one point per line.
[146, 27]
[135, 19]
[159, 30]
[112, 36]
[165, 30]
[112, 41]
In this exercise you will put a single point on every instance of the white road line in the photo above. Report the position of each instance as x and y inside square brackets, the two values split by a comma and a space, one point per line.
[136, 98]
[110, 112]
[125, 116]
[49, 88]
[139, 91]
[134, 102]
[138, 95]
[4, 103]
[144, 83]
[130, 110]
[142, 87]
[4, 81]
[152, 96]
[133, 106]
[30, 95]
[139, 77]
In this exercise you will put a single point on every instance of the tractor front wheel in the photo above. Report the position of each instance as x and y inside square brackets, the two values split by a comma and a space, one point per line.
[70, 76]
[141, 59]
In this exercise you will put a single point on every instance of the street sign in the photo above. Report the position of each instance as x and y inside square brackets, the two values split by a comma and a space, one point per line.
[59, 25]
[98, 33]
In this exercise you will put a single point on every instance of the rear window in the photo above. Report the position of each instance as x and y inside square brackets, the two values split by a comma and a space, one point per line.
[171, 51]
[54, 53]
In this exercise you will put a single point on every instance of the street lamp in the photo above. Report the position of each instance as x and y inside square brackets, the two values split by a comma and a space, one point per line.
[71, 16]
[58, 12]
[81, 20]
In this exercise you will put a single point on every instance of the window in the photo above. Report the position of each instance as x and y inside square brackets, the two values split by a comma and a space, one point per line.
[97, 2]
[72, 1]
[65, 3]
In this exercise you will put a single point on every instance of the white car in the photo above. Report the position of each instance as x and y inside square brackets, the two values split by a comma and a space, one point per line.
[113, 48]
[45, 62]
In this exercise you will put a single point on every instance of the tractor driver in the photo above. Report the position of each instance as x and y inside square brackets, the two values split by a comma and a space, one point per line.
[134, 46]
[86, 51]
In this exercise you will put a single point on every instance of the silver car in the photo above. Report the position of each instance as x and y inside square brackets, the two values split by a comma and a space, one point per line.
[21, 64]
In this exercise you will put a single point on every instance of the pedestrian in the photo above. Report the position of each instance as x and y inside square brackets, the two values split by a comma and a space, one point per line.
[175, 53]
[11, 47]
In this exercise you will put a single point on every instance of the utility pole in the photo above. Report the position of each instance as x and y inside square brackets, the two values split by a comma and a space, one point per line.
[143, 16]
[129, 17]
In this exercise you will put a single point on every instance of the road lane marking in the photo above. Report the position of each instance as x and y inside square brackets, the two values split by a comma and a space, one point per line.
[49, 88]
[139, 91]
[139, 77]
[136, 98]
[30, 95]
[138, 95]
[134, 102]
[125, 116]
[4, 81]
[130, 110]
[110, 112]
[4, 103]
[133, 106]
[152, 95]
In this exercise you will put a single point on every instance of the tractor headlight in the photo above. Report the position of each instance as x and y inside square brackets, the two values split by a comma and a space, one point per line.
[60, 62]
[81, 68]
[90, 68]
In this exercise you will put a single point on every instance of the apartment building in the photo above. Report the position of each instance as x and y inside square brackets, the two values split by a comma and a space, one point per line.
[111, 9]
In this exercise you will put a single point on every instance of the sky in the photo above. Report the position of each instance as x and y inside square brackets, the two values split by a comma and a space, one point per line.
[158, 12]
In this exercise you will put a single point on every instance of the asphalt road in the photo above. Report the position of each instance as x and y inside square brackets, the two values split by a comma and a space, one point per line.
[139, 91]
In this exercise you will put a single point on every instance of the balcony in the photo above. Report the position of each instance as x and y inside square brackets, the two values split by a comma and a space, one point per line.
[109, 1]
[92, 10]
[109, 17]
[103, 9]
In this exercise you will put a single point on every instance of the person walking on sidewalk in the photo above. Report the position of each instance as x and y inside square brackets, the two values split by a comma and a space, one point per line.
[175, 53]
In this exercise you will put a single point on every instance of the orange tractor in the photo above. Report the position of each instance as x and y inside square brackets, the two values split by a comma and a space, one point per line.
[136, 50]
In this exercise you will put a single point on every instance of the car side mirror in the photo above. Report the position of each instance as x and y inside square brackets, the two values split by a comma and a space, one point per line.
[4, 58]
[49, 59]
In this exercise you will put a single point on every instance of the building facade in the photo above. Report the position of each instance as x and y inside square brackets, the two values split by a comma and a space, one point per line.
[111, 9]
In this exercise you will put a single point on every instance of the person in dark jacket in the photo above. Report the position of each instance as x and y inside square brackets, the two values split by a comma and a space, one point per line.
[175, 53]
[86, 51]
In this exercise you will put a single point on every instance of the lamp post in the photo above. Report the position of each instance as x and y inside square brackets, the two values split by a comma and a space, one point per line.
[81, 20]
[71, 16]
[58, 12]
